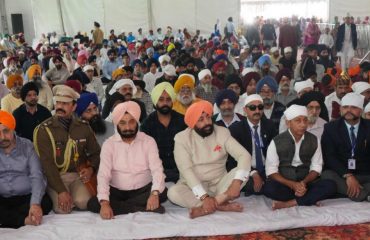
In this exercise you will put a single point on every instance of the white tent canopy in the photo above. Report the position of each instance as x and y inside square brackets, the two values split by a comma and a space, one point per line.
[71, 16]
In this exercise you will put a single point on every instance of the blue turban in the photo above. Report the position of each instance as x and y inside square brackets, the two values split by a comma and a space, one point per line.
[269, 81]
[84, 101]
[226, 94]
[263, 60]
[221, 57]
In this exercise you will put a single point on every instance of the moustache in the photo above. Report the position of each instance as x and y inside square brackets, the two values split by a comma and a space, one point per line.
[60, 110]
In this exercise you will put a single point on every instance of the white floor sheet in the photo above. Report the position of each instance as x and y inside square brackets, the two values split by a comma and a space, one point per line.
[257, 216]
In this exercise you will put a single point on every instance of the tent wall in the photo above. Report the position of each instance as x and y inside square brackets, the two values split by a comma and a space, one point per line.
[356, 8]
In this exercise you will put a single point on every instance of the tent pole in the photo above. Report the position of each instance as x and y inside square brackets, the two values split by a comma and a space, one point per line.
[61, 16]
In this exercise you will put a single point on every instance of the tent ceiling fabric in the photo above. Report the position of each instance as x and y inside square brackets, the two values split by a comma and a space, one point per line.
[129, 15]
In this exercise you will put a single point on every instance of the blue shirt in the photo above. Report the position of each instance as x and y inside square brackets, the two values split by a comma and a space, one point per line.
[109, 67]
[21, 172]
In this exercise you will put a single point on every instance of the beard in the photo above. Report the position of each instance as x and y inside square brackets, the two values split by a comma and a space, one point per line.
[268, 101]
[128, 134]
[221, 76]
[207, 87]
[227, 112]
[186, 100]
[312, 119]
[285, 87]
[97, 124]
[31, 103]
[204, 131]
[354, 118]
[164, 110]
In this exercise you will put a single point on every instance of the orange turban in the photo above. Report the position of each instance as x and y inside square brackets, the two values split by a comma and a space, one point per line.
[184, 79]
[32, 70]
[117, 72]
[195, 110]
[7, 120]
[12, 79]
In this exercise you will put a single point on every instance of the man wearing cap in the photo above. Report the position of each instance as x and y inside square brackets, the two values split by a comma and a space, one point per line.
[126, 88]
[130, 177]
[287, 61]
[346, 42]
[45, 94]
[13, 99]
[294, 163]
[163, 124]
[225, 101]
[22, 184]
[362, 88]
[273, 110]
[30, 113]
[69, 153]
[88, 110]
[346, 150]
[153, 74]
[57, 75]
[254, 134]
[169, 75]
[205, 90]
[201, 152]
[184, 88]
[332, 101]
[95, 85]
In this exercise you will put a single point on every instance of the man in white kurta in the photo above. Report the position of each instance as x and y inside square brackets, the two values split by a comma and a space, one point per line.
[201, 152]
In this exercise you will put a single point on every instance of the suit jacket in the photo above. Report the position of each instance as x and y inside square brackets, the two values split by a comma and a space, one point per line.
[336, 147]
[340, 37]
[242, 133]
[277, 113]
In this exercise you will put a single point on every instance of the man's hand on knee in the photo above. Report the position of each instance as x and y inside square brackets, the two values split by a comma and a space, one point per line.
[233, 191]
[65, 202]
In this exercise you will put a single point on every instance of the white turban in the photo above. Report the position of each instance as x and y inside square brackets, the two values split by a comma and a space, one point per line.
[87, 68]
[353, 99]
[367, 108]
[360, 87]
[251, 98]
[170, 70]
[248, 70]
[288, 49]
[299, 86]
[274, 49]
[204, 73]
[163, 58]
[122, 82]
[294, 111]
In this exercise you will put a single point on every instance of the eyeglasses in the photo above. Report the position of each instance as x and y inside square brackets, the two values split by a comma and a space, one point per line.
[254, 107]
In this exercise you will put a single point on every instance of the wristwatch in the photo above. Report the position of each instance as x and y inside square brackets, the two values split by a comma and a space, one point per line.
[155, 192]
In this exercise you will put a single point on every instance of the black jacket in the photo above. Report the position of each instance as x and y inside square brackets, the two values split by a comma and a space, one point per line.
[242, 133]
[336, 147]
[340, 37]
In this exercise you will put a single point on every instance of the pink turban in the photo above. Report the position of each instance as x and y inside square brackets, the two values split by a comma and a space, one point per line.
[195, 110]
[130, 107]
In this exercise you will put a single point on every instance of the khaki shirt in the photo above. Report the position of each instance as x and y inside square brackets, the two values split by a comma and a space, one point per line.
[87, 145]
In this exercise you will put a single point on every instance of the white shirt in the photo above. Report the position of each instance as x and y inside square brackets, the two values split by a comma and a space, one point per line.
[272, 158]
[268, 112]
[239, 107]
[328, 101]
[253, 160]
[149, 79]
[327, 40]
[347, 33]
[235, 119]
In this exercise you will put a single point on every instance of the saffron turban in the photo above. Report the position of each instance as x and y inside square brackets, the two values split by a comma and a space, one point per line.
[159, 89]
[184, 79]
[13, 79]
[195, 110]
[32, 70]
[7, 120]
[117, 72]
[129, 107]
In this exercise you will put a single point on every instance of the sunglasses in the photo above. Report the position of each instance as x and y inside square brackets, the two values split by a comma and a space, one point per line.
[254, 107]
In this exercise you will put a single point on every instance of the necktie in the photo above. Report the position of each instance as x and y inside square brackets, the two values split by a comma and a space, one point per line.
[257, 144]
[353, 139]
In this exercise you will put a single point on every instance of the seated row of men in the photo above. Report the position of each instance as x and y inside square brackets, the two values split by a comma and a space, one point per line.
[210, 164]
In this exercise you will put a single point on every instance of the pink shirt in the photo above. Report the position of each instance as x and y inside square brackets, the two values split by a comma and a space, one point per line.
[129, 166]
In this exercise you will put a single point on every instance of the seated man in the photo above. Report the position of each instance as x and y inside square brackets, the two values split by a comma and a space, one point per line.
[184, 88]
[254, 134]
[225, 101]
[346, 152]
[130, 177]
[88, 110]
[69, 153]
[201, 152]
[162, 125]
[22, 185]
[294, 163]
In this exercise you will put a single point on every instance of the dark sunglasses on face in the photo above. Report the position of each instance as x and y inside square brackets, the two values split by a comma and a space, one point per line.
[254, 107]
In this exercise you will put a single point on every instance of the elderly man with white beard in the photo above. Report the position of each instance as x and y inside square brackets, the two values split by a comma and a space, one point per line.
[184, 88]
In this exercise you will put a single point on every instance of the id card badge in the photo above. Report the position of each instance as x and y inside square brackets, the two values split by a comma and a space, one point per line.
[352, 164]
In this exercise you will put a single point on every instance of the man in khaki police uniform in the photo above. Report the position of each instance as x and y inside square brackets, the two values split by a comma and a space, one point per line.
[69, 153]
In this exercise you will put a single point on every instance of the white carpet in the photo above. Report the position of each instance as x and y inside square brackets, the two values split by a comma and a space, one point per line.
[257, 216]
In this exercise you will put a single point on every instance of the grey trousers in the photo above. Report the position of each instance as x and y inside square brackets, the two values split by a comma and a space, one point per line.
[342, 188]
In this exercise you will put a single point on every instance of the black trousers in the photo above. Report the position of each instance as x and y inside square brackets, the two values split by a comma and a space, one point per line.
[124, 202]
[14, 210]
[316, 191]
